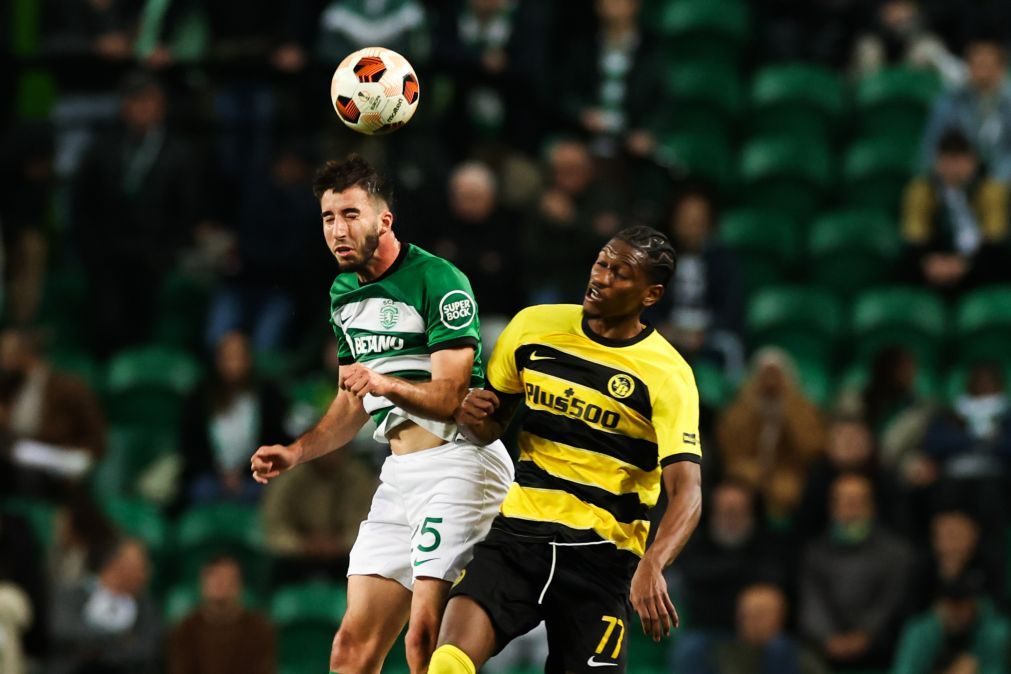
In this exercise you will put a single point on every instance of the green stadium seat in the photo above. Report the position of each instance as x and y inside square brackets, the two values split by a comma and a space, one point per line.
[705, 30]
[806, 322]
[307, 616]
[182, 312]
[63, 307]
[146, 386]
[221, 528]
[894, 102]
[875, 172]
[140, 519]
[849, 251]
[707, 100]
[983, 325]
[714, 389]
[766, 243]
[912, 317]
[41, 515]
[816, 380]
[274, 364]
[706, 157]
[796, 100]
[129, 451]
[786, 174]
[857, 374]
[180, 601]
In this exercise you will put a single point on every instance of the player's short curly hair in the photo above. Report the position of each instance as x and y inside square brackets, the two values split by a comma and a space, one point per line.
[352, 171]
[656, 247]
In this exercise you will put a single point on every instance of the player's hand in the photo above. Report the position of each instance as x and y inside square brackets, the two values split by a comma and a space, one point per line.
[477, 405]
[362, 381]
[650, 600]
[270, 461]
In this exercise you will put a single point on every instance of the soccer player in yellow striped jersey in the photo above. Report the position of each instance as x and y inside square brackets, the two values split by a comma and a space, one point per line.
[612, 417]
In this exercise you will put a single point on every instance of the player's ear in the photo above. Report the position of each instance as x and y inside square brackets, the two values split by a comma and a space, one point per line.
[652, 295]
[385, 221]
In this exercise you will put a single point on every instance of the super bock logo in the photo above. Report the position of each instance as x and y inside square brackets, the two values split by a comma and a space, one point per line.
[388, 316]
[456, 310]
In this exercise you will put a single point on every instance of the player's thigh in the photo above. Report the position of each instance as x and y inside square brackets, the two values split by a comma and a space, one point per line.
[588, 631]
[378, 609]
[454, 499]
[383, 546]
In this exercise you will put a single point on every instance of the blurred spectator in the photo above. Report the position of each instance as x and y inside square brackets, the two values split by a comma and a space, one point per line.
[108, 624]
[768, 436]
[895, 412]
[761, 645]
[955, 222]
[480, 238]
[311, 516]
[26, 209]
[24, 593]
[576, 213]
[54, 419]
[732, 552]
[853, 581]
[81, 532]
[981, 109]
[221, 635]
[348, 25]
[225, 421]
[955, 552]
[972, 439]
[704, 304]
[899, 34]
[134, 208]
[615, 88]
[493, 51]
[849, 449]
[962, 634]
[277, 258]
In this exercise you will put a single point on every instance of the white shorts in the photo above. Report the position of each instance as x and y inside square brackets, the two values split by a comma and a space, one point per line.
[429, 511]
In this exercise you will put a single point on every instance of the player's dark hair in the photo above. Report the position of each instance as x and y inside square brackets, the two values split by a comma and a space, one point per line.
[954, 142]
[656, 247]
[353, 171]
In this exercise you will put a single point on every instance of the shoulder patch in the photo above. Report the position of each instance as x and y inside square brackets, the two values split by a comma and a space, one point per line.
[456, 310]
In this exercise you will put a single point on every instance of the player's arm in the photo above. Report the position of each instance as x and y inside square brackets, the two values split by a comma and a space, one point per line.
[682, 482]
[342, 421]
[435, 399]
[485, 414]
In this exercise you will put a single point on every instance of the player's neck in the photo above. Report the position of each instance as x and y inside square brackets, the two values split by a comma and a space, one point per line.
[386, 254]
[618, 328]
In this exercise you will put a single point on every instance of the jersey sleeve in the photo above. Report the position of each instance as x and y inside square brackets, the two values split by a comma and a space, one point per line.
[676, 420]
[502, 373]
[344, 355]
[450, 310]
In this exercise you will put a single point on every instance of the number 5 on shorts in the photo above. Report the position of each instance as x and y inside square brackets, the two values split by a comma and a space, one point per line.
[425, 529]
[611, 622]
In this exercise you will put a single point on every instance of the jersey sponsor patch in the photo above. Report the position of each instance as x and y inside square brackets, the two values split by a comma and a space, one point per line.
[621, 386]
[366, 344]
[689, 439]
[456, 310]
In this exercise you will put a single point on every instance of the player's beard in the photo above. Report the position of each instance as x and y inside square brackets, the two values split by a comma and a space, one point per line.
[368, 250]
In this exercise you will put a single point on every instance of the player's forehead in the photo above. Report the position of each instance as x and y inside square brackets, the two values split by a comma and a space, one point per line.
[351, 197]
[617, 251]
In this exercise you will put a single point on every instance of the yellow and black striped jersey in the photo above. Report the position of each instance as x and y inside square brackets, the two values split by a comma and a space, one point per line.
[603, 418]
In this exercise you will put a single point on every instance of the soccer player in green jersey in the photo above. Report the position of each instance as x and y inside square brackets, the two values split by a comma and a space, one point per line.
[410, 348]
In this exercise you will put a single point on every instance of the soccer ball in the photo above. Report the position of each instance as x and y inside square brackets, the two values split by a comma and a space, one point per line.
[374, 90]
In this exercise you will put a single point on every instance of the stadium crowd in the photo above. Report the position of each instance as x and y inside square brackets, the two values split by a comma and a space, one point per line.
[835, 175]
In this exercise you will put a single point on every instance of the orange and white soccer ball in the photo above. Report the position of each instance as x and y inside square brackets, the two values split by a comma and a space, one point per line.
[375, 90]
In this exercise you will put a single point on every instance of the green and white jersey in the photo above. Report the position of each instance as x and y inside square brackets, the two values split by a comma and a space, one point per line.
[393, 325]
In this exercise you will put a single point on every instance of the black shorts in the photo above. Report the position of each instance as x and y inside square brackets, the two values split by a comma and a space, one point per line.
[521, 581]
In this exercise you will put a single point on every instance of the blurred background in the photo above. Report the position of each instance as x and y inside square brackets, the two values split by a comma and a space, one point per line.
[834, 174]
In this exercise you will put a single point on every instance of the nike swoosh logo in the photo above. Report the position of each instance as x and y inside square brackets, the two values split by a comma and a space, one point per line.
[593, 663]
[534, 356]
[422, 561]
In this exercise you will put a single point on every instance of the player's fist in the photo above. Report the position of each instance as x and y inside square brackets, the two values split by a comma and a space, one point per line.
[477, 405]
[270, 461]
[362, 381]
